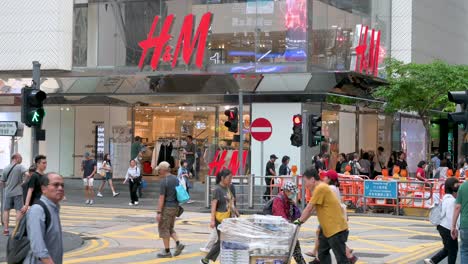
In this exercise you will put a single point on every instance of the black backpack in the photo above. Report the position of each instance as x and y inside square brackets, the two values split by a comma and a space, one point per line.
[18, 245]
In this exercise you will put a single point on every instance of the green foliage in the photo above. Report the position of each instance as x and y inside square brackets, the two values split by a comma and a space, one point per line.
[340, 100]
[421, 87]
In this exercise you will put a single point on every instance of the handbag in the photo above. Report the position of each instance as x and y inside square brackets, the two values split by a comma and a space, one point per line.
[102, 171]
[144, 184]
[180, 211]
[182, 194]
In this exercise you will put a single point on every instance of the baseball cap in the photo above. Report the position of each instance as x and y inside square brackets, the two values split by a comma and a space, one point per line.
[87, 154]
[290, 186]
[163, 165]
[332, 175]
[273, 156]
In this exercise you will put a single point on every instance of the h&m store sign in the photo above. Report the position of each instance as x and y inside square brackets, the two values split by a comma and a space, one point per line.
[186, 42]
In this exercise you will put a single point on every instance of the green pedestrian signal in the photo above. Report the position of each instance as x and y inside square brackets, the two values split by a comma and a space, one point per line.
[32, 110]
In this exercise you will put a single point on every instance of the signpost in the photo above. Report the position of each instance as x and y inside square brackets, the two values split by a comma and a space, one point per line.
[8, 128]
[261, 130]
[380, 189]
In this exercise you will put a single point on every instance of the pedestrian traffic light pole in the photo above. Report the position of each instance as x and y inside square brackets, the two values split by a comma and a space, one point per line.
[241, 132]
[36, 85]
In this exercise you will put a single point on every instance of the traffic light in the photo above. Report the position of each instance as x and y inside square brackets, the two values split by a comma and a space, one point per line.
[233, 119]
[296, 136]
[32, 110]
[315, 127]
[461, 98]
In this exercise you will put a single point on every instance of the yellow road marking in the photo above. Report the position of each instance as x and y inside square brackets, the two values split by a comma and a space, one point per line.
[420, 255]
[415, 252]
[92, 244]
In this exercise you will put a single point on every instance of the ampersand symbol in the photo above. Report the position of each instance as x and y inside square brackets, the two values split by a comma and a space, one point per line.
[167, 54]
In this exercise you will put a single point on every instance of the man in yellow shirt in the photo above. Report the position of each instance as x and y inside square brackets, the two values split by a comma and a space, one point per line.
[333, 226]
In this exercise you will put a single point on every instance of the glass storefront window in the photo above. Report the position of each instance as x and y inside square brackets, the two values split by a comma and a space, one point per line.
[169, 125]
[80, 35]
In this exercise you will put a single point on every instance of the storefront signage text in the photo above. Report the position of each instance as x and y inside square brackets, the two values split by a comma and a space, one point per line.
[184, 42]
[220, 160]
[367, 51]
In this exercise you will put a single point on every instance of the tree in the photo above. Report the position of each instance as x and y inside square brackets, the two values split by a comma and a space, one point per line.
[421, 88]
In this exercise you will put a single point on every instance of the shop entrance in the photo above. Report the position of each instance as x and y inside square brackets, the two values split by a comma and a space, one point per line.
[164, 130]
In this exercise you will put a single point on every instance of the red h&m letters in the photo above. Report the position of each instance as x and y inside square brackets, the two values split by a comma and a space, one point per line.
[184, 42]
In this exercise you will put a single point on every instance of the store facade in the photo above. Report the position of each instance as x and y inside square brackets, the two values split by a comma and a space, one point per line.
[285, 56]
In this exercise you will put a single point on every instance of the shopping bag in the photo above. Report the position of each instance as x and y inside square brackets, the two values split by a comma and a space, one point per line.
[182, 194]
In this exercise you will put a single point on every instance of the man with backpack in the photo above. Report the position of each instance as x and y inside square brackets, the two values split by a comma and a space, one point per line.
[11, 180]
[44, 229]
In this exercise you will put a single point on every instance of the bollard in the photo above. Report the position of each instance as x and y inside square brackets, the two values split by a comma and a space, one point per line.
[251, 191]
[207, 191]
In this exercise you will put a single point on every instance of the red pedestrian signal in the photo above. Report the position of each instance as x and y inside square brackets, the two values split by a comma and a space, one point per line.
[233, 119]
[297, 120]
[296, 136]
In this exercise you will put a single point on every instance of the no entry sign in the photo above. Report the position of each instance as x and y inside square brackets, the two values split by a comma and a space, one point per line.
[261, 129]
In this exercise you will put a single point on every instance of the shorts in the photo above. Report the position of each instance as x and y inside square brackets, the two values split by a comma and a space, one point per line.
[108, 176]
[14, 202]
[88, 182]
[166, 225]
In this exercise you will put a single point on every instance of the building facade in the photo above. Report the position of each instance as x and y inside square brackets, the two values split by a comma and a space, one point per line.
[107, 82]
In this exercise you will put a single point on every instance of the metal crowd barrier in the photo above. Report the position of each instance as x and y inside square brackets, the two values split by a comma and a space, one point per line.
[250, 189]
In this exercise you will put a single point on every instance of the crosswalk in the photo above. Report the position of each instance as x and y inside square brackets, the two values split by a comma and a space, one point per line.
[129, 235]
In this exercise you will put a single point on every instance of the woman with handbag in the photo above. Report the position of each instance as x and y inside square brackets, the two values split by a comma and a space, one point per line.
[222, 207]
[106, 173]
[134, 179]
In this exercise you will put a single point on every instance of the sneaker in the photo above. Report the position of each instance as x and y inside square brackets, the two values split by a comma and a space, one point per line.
[136, 203]
[428, 261]
[116, 194]
[190, 201]
[205, 250]
[87, 202]
[6, 232]
[204, 261]
[179, 249]
[131, 204]
[164, 254]
[91, 202]
[100, 195]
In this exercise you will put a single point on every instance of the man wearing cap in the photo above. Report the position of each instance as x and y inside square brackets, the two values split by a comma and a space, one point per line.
[88, 166]
[270, 171]
[334, 228]
[168, 207]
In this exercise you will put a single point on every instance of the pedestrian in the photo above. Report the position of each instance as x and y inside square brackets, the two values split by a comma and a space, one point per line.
[89, 167]
[222, 207]
[379, 162]
[135, 148]
[391, 162]
[133, 177]
[355, 165]
[190, 156]
[183, 175]
[168, 208]
[401, 161]
[365, 164]
[450, 248]
[284, 205]
[26, 179]
[442, 171]
[284, 168]
[11, 181]
[34, 183]
[421, 171]
[107, 167]
[269, 172]
[461, 210]
[319, 162]
[435, 159]
[334, 228]
[341, 164]
[464, 168]
[331, 178]
[46, 243]
[139, 165]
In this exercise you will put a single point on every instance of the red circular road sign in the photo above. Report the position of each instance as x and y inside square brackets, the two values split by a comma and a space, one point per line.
[261, 129]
